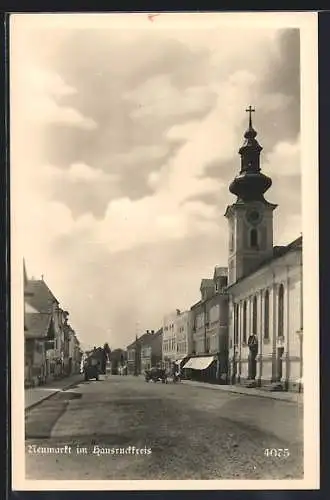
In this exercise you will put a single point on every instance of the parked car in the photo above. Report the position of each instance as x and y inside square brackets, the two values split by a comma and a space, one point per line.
[156, 374]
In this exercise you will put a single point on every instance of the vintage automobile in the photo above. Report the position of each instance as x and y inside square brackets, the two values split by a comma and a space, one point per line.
[156, 374]
[91, 369]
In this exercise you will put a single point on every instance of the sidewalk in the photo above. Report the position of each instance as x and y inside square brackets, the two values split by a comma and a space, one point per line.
[35, 395]
[291, 397]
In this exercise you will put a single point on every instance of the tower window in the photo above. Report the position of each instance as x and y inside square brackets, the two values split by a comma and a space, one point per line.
[231, 242]
[254, 238]
[280, 331]
[266, 314]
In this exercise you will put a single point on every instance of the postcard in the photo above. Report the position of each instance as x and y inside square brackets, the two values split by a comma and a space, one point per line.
[164, 251]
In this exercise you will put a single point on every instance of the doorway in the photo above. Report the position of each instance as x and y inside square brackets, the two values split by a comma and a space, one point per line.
[279, 364]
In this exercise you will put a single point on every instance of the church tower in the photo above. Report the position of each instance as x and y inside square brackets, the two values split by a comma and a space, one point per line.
[250, 217]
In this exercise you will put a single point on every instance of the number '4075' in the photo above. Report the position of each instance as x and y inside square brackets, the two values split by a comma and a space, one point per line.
[277, 452]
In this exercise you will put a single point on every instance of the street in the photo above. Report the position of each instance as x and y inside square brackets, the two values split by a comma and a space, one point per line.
[178, 431]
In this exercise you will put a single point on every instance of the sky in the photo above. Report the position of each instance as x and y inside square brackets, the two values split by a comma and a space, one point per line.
[124, 139]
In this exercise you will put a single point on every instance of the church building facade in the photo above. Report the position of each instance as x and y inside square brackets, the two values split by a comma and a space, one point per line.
[264, 284]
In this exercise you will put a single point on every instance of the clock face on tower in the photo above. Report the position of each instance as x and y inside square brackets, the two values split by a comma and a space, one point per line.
[254, 216]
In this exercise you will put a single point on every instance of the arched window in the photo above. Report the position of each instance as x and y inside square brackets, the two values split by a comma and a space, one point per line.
[244, 323]
[266, 315]
[280, 330]
[255, 316]
[254, 238]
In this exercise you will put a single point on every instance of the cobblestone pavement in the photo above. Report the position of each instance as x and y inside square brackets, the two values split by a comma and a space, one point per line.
[34, 395]
[184, 432]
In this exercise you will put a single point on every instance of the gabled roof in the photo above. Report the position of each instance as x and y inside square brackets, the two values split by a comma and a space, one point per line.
[39, 296]
[133, 344]
[153, 337]
[38, 325]
[144, 339]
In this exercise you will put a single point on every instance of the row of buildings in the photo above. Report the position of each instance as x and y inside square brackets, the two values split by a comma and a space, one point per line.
[247, 326]
[144, 352]
[51, 346]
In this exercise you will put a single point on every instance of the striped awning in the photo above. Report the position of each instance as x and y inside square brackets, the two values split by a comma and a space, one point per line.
[200, 363]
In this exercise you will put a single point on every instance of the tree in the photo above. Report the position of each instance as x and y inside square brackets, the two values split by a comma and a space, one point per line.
[107, 349]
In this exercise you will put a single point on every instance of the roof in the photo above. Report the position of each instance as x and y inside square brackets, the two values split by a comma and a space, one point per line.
[278, 251]
[220, 271]
[29, 308]
[68, 330]
[39, 296]
[144, 339]
[196, 304]
[37, 325]
[207, 282]
[153, 337]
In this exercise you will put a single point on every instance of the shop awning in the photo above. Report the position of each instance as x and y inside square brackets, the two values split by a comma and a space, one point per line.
[199, 363]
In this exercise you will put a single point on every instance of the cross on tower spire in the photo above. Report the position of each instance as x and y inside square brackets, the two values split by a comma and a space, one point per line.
[250, 184]
[250, 110]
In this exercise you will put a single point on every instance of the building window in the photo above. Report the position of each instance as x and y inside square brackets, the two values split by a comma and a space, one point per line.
[231, 240]
[254, 238]
[266, 315]
[255, 316]
[236, 316]
[231, 271]
[280, 331]
[244, 323]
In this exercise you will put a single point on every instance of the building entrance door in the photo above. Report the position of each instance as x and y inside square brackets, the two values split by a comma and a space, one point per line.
[279, 364]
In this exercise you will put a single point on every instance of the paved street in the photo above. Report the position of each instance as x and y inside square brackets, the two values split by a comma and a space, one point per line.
[192, 432]
[36, 394]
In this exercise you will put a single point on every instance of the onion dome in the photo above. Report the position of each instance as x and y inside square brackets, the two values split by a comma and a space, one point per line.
[250, 184]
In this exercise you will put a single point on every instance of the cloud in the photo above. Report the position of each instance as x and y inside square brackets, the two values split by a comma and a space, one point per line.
[139, 154]
[77, 172]
[286, 229]
[47, 111]
[159, 98]
[284, 159]
[41, 81]
[39, 93]
[116, 193]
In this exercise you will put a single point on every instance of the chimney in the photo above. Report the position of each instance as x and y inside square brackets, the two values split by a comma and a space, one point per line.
[152, 331]
[148, 331]
[178, 312]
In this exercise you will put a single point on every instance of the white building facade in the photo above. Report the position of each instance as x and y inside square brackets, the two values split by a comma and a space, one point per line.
[264, 285]
[176, 340]
[268, 304]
